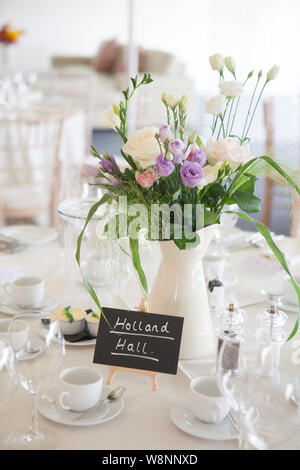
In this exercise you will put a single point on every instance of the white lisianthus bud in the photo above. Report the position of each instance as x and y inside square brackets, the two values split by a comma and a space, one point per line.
[215, 105]
[183, 103]
[232, 88]
[230, 64]
[216, 62]
[192, 138]
[170, 99]
[273, 72]
[169, 156]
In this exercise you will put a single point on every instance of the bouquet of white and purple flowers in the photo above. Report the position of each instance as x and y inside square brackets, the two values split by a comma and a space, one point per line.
[172, 183]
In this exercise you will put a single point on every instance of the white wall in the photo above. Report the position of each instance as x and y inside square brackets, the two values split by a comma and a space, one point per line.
[258, 33]
[63, 26]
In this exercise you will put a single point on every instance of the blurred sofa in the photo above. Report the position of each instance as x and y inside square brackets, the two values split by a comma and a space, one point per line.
[168, 73]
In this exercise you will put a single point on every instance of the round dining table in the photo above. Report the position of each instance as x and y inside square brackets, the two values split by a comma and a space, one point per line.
[145, 422]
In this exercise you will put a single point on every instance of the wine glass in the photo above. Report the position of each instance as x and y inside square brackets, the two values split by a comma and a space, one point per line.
[8, 377]
[266, 410]
[38, 356]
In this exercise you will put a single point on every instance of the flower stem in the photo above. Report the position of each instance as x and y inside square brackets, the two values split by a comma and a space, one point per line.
[236, 108]
[250, 106]
[254, 111]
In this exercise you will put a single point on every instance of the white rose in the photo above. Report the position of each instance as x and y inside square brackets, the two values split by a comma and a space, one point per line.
[216, 62]
[229, 150]
[110, 119]
[273, 72]
[210, 174]
[170, 99]
[143, 147]
[231, 88]
[215, 105]
[230, 64]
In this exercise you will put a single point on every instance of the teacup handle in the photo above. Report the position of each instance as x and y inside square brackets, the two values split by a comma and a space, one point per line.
[6, 288]
[218, 412]
[65, 407]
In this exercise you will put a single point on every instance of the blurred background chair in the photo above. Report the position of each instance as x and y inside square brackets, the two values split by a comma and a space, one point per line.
[77, 88]
[278, 198]
[30, 167]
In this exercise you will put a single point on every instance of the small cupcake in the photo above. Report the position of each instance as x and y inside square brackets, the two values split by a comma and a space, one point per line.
[71, 320]
[92, 320]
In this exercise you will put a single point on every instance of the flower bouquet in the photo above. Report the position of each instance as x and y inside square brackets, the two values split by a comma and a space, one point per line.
[174, 188]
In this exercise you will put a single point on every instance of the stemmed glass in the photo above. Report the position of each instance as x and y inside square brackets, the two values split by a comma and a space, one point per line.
[37, 358]
[266, 408]
[8, 377]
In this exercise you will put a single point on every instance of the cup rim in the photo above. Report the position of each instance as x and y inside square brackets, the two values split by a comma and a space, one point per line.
[36, 281]
[207, 378]
[64, 371]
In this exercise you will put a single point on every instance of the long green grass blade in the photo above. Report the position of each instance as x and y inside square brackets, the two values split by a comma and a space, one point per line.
[279, 255]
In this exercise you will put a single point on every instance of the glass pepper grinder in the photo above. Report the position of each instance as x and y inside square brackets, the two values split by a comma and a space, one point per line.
[271, 336]
[231, 330]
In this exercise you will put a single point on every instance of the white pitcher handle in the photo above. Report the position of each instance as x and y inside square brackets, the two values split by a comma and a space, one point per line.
[65, 407]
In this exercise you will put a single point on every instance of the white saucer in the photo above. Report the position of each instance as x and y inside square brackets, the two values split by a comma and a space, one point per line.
[30, 234]
[183, 419]
[56, 413]
[7, 306]
[285, 305]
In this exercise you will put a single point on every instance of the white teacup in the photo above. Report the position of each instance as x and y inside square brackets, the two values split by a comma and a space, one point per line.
[19, 336]
[26, 291]
[83, 387]
[289, 292]
[207, 402]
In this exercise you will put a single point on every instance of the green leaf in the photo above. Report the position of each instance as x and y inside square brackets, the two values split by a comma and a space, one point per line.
[279, 255]
[67, 312]
[135, 255]
[198, 141]
[129, 160]
[92, 211]
[246, 201]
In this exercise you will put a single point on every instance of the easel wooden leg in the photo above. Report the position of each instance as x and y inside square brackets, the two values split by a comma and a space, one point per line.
[114, 369]
[154, 382]
[112, 372]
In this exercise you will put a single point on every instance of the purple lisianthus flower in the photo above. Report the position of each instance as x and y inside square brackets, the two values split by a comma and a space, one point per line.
[176, 146]
[163, 166]
[109, 165]
[191, 173]
[178, 158]
[165, 133]
[197, 155]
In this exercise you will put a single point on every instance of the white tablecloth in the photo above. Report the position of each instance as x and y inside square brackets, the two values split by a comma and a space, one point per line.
[145, 421]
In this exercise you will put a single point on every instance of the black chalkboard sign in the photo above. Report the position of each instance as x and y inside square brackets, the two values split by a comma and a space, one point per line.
[139, 340]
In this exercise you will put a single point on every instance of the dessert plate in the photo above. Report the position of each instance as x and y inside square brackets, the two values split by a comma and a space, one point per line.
[56, 413]
[88, 342]
[183, 418]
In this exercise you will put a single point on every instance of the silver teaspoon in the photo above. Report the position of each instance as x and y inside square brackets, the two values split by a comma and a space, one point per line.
[112, 396]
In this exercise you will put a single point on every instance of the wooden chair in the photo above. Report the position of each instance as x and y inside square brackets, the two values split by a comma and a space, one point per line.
[269, 147]
[286, 150]
[30, 166]
[80, 90]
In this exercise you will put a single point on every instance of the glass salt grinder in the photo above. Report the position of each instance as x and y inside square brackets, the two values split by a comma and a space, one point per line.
[271, 336]
[231, 330]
